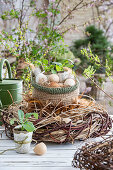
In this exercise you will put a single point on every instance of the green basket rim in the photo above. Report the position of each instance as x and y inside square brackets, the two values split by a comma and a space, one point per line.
[57, 90]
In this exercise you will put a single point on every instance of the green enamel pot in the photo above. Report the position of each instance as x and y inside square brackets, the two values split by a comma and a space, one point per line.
[10, 89]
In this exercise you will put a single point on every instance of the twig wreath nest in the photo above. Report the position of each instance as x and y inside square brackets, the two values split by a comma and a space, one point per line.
[98, 155]
[63, 123]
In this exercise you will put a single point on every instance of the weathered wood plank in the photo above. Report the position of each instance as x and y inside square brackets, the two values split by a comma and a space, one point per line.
[49, 154]
[35, 162]
[39, 168]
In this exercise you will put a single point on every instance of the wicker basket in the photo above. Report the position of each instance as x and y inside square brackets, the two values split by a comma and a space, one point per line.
[66, 95]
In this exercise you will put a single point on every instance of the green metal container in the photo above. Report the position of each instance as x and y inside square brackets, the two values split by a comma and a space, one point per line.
[10, 89]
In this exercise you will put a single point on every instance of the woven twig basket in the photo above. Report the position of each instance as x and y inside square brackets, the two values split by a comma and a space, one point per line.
[66, 95]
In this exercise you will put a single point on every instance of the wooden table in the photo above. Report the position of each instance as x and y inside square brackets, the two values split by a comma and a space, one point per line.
[58, 157]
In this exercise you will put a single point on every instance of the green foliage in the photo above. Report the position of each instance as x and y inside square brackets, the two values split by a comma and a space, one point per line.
[1, 122]
[54, 66]
[89, 72]
[10, 14]
[45, 48]
[96, 43]
[24, 122]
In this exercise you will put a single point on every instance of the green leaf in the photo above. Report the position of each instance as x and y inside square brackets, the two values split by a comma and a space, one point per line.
[45, 61]
[29, 126]
[57, 63]
[35, 115]
[21, 115]
[12, 121]
[27, 115]
[1, 123]
[58, 68]
[53, 71]
[89, 72]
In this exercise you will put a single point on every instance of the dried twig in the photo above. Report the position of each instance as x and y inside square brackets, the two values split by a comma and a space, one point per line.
[97, 155]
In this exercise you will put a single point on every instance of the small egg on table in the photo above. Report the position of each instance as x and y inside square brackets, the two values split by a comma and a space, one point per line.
[40, 149]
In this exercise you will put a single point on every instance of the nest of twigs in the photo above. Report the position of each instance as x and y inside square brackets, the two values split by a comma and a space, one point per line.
[97, 156]
[84, 119]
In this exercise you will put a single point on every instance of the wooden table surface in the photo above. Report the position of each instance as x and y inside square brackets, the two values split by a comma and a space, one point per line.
[58, 156]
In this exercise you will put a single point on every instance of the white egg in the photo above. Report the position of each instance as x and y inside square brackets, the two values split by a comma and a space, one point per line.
[41, 78]
[71, 76]
[66, 120]
[36, 71]
[40, 149]
[69, 82]
[53, 78]
[63, 76]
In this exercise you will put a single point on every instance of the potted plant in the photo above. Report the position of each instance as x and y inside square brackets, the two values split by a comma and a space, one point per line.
[23, 132]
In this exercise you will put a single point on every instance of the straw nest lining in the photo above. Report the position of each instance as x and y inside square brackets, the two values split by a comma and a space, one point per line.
[95, 156]
[87, 119]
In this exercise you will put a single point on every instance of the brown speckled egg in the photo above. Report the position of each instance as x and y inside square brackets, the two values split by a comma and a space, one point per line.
[40, 149]
[61, 84]
[54, 84]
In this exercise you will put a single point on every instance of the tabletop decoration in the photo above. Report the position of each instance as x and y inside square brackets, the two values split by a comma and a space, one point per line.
[23, 131]
[60, 86]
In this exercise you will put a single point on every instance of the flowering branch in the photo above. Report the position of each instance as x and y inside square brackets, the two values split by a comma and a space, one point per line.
[70, 12]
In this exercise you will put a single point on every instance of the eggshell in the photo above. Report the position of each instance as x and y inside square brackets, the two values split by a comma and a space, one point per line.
[53, 78]
[54, 84]
[41, 78]
[69, 82]
[40, 149]
[66, 120]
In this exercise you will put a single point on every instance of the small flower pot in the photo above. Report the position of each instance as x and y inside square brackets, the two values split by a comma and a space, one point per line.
[22, 140]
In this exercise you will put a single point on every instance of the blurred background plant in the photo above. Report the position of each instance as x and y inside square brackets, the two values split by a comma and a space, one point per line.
[99, 45]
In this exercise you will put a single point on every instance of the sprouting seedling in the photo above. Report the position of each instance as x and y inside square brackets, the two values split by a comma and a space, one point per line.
[24, 122]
